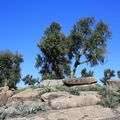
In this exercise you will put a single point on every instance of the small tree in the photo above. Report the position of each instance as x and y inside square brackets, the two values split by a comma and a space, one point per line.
[84, 73]
[52, 60]
[118, 73]
[10, 68]
[28, 79]
[88, 42]
[108, 73]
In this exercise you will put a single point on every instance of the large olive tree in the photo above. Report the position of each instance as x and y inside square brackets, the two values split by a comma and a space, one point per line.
[88, 42]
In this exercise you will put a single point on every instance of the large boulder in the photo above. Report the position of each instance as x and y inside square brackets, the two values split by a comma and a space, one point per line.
[80, 81]
[27, 94]
[114, 84]
[72, 101]
[95, 112]
[45, 83]
[4, 96]
[52, 95]
[4, 89]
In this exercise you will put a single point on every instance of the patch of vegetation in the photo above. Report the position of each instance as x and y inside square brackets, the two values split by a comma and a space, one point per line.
[2, 115]
[28, 109]
[91, 88]
[109, 98]
[73, 91]
[47, 89]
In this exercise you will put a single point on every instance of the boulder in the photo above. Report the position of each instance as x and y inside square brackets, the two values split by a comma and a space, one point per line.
[3, 99]
[27, 94]
[80, 81]
[52, 95]
[72, 101]
[95, 112]
[114, 84]
[4, 89]
[51, 83]
[4, 96]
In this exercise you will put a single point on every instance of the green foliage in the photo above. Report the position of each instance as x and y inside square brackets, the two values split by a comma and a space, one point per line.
[28, 79]
[84, 73]
[108, 73]
[118, 73]
[30, 109]
[73, 91]
[88, 40]
[2, 115]
[109, 98]
[91, 88]
[10, 68]
[52, 60]
[47, 89]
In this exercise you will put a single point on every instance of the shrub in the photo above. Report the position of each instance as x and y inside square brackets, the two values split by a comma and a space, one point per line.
[28, 109]
[73, 91]
[2, 115]
[109, 98]
[47, 89]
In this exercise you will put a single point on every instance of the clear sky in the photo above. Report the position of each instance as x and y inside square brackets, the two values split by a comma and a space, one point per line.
[22, 23]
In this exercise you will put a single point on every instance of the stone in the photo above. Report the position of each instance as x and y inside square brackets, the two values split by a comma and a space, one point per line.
[72, 101]
[95, 112]
[5, 88]
[27, 94]
[80, 81]
[3, 99]
[47, 83]
[114, 84]
[52, 95]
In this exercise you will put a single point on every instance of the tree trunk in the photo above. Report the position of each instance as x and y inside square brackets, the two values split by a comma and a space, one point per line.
[74, 69]
[5, 83]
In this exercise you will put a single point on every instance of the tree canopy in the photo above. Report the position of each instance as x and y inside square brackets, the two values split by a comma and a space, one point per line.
[88, 42]
[84, 73]
[108, 73]
[10, 68]
[53, 59]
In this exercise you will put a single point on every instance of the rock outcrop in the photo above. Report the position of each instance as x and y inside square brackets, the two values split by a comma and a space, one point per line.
[51, 82]
[27, 94]
[5, 94]
[72, 101]
[114, 84]
[80, 81]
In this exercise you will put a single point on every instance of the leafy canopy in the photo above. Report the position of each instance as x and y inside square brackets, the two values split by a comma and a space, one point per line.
[108, 73]
[52, 59]
[88, 42]
[84, 73]
[10, 68]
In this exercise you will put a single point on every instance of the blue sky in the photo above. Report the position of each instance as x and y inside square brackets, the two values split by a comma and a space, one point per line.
[22, 23]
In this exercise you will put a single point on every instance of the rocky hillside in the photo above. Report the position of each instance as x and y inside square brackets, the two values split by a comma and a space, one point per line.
[56, 101]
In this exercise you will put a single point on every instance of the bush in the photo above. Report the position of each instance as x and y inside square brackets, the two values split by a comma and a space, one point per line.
[109, 98]
[47, 89]
[73, 91]
[29, 109]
